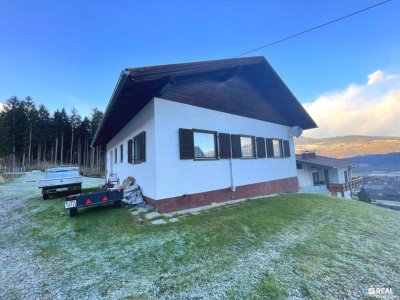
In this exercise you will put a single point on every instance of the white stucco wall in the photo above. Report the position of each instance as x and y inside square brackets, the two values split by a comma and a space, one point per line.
[144, 173]
[306, 182]
[175, 177]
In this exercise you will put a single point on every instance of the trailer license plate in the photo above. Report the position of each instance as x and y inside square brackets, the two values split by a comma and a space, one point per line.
[71, 203]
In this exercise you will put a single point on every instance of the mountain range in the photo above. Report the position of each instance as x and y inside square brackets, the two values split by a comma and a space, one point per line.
[348, 146]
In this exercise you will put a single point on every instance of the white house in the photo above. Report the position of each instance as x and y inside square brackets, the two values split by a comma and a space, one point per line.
[197, 133]
[326, 175]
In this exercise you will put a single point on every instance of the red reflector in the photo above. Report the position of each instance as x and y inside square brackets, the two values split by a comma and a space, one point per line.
[69, 198]
[105, 198]
[88, 202]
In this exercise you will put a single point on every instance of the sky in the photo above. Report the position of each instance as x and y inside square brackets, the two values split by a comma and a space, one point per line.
[70, 53]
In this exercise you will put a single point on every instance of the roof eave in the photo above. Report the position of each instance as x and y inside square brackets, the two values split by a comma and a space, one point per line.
[121, 82]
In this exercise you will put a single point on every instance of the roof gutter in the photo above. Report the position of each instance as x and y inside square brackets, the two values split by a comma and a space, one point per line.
[121, 82]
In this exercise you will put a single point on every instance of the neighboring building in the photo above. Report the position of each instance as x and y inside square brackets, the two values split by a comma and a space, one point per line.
[326, 175]
[376, 180]
[197, 133]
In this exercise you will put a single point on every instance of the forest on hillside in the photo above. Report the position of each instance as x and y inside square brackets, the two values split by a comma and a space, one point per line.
[33, 138]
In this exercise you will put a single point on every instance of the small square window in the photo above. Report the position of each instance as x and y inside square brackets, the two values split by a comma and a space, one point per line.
[247, 146]
[204, 145]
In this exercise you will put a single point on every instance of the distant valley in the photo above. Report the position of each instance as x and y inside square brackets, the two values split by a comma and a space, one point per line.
[373, 153]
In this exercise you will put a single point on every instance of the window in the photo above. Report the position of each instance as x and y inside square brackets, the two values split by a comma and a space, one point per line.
[139, 147]
[270, 148]
[121, 152]
[286, 148]
[130, 151]
[346, 177]
[115, 155]
[205, 145]
[277, 147]
[243, 146]
[247, 146]
[315, 177]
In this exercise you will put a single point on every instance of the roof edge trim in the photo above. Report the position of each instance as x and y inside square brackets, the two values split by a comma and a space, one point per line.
[120, 83]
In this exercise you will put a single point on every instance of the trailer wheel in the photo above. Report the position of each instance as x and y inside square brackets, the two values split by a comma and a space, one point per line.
[73, 212]
[117, 203]
[46, 196]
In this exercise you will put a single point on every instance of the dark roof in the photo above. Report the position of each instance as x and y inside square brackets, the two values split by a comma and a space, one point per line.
[247, 87]
[325, 161]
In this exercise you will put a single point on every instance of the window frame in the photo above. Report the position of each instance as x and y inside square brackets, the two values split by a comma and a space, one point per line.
[215, 133]
[315, 175]
[280, 144]
[136, 148]
[252, 138]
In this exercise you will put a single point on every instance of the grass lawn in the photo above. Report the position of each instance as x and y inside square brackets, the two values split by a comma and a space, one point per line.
[295, 246]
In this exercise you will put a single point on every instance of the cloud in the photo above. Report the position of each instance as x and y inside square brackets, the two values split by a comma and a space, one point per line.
[379, 76]
[1, 106]
[369, 109]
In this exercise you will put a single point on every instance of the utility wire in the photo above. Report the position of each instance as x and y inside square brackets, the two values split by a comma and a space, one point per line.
[314, 28]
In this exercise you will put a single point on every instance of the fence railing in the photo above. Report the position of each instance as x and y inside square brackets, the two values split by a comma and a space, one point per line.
[346, 186]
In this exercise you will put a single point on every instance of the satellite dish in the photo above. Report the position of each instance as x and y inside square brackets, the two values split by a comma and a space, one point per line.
[296, 131]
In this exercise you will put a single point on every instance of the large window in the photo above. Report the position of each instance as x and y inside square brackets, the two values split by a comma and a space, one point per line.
[205, 145]
[277, 145]
[247, 146]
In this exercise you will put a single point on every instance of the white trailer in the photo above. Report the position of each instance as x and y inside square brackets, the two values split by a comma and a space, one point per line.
[61, 180]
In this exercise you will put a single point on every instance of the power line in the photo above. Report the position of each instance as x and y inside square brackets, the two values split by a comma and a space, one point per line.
[314, 28]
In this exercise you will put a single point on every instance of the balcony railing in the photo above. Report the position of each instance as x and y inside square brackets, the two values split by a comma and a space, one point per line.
[346, 186]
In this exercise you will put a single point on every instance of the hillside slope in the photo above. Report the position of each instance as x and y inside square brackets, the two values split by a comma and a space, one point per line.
[295, 246]
[349, 146]
[378, 162]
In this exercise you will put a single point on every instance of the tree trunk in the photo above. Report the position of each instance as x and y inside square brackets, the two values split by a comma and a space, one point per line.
[38, 154]
[30, 146]
[62, 148]
[56, 153]
[72, 146]
[79, 152]
[44, 150]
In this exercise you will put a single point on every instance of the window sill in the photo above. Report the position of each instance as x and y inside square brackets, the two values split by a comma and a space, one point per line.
[204, 159]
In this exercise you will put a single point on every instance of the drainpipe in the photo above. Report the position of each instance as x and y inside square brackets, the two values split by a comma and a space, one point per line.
[233, 188]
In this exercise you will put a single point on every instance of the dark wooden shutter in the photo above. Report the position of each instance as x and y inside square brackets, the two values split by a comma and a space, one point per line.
[224, 145]
[186, 147]
[129, 151]
[260, 147]
[236, 149]
[142, 147]
[270, 148]
[286, 148]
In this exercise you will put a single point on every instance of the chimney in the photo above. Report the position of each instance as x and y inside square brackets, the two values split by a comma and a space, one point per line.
[308, 155]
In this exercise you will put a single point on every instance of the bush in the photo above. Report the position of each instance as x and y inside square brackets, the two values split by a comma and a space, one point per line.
[364, 196]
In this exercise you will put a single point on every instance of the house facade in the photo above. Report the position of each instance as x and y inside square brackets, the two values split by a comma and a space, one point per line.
[193, 134]
[326, 175]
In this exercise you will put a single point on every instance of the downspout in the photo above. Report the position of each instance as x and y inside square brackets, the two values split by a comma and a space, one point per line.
[233, 188]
